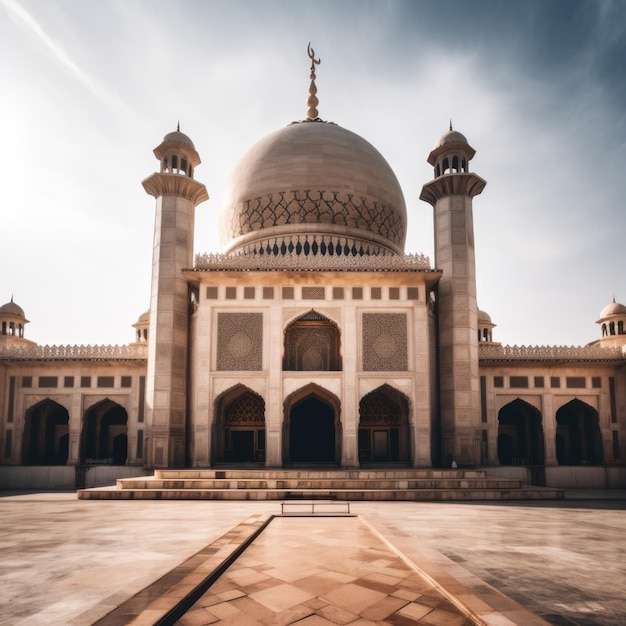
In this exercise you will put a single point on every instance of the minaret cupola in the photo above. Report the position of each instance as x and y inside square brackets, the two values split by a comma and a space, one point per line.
[613, 324]
[12, 324]
[485, 327]
[177, 154]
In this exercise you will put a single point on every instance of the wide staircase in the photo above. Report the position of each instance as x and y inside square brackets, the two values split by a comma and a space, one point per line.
[423, 485]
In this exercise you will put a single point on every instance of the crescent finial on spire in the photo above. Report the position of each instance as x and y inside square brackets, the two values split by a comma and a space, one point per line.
[312, 101]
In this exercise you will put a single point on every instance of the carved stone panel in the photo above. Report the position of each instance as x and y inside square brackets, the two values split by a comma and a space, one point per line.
[239, 341]
[385, 342]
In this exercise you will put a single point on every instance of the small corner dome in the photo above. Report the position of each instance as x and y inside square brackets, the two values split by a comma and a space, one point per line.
[450, 136]
[484, 317]
[615, 308]
[178, 137]
[12, 309]
[144, 318]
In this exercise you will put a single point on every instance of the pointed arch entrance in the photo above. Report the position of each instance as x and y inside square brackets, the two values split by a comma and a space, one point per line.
[578, 438]
[384, 427]
[104, 438]
[46, 434]
[520, 434]
[239, 427]
[312, 427]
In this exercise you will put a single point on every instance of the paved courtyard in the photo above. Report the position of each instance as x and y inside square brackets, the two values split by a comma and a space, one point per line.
[69, 561]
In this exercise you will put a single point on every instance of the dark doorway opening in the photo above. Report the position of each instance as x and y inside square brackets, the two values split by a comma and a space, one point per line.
[383, 427]
[104, 438]
[239, 427]
[312, 432]
[520, 435]
[46, 435]
[242, 445]
[578, 438]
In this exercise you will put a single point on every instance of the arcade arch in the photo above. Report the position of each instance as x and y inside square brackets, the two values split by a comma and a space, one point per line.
[520, 434]
[104, 438]
[46, 434]
[578, 438]
[384, 427]
[239, 426]
[312, 430]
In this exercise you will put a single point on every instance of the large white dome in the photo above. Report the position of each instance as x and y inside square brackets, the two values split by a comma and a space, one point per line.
[316, 188]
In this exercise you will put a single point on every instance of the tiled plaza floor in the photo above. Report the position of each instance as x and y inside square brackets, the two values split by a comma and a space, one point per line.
[315, 571]
[68, 561]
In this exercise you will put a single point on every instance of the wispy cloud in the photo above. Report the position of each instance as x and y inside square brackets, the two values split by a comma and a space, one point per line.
[20, 15]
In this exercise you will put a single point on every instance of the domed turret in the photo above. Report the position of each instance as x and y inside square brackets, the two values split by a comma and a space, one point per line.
[141, 327]
[12, 324]
[178, 137]
[613, 324]
[451, 154]
[485, 327]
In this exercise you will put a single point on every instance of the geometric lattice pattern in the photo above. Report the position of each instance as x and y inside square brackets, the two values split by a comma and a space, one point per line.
[239, 341]
[376, 409]
[317, 207]
[247, 409]
[385, 342]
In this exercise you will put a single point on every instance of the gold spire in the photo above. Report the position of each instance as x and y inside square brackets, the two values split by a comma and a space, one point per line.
[312, 101]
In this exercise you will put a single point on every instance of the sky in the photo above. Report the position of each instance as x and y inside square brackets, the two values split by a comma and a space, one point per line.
[89, 89]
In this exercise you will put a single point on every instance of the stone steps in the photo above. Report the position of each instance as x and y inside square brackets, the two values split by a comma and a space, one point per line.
[318, 473]
[323, 483]
[350, 485]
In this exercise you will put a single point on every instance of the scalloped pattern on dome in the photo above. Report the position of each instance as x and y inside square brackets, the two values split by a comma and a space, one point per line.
[450, 136]
[313, 184]
[10, 308]
[178, 137]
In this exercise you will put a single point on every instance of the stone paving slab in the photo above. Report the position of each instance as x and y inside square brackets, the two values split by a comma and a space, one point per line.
[175, 592]
[313, 570]
[316, 570]
[71, 562]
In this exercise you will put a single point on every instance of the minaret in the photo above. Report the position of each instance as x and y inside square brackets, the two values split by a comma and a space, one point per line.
[177, 195]
[450, 194]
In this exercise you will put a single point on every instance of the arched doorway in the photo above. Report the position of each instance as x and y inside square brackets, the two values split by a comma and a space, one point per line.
[104, 438]
[384, 427]
[239, 427]
[46, 435]
[520, 435]
[578, 438]
[312, 428]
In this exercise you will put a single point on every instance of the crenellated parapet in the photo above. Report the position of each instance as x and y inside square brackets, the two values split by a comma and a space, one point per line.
[132, 352]
[489, 353]
[300, 262]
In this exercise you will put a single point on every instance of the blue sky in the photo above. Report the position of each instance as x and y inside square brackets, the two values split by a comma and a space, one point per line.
[90, 88]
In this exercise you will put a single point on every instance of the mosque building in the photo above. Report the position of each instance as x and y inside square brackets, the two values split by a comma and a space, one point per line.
[312, 339]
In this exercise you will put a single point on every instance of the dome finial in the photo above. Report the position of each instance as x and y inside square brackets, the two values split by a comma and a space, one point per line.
[312, 101]
[450, 123]
[178, 126]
